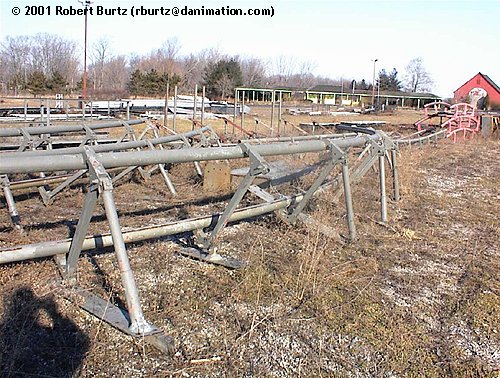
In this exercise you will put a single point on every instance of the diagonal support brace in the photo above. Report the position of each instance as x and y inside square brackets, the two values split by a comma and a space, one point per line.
[207, 251]
[337, 156]
[101, 185]
[257, 167]
[11, 204]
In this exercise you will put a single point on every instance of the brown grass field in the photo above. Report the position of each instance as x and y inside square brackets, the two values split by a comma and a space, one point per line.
[418, 297]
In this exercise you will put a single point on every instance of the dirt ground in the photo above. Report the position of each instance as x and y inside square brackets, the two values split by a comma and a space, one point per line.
[418, 297]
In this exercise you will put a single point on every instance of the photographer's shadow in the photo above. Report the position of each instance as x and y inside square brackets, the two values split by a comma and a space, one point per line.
[36, 340]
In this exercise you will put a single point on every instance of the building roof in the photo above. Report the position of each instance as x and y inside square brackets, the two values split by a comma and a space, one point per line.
[491, 82]
[337, 89]
[485, 77]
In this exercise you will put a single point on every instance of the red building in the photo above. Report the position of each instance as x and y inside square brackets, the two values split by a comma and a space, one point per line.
[480, 86]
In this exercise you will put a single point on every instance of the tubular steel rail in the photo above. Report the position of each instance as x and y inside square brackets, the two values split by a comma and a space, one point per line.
[37, 137]
[66, 180]
[98, 160]
[458, 118]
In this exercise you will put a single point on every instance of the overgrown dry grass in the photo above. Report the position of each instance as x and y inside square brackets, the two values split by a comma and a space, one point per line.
[417, 297]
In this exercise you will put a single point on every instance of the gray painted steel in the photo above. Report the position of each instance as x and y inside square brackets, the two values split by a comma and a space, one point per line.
[26, 164]
[37, 130]
[113, 146]
[51, 248]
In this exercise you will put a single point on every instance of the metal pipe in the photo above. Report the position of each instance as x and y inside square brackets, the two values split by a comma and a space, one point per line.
[195, 100]
[174, 123]
[279, 112]
[395, 175]
[165, 109]
[243, 111]
[113, 146]
[51, 248]
[420, 139]
[348, 201]
[203, 105]
[272, 113]
[138, 322]
[11, 205]
[383, 197]
[298, 138]
[26, 164]
[37, 130]
[235, 110]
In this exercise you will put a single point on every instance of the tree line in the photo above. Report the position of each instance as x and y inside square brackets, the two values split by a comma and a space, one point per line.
[46, 63]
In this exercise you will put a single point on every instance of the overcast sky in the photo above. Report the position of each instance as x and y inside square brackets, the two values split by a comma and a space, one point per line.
[456, 39]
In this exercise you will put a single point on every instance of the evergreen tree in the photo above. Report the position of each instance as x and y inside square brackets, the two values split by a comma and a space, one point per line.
[56, 82]
[37, 83]
[389, 81]
[152, 83]
[222, 77]
[362, 85]
[136, 83]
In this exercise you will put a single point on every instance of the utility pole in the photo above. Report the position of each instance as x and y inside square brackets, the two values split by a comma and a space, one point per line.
[373, 81]
[86, 4]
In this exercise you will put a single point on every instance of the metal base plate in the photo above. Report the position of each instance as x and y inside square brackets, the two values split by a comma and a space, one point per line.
[117, 317]
[213, 258]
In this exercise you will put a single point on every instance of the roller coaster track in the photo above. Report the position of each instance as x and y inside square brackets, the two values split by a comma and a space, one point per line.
[93, 165]
[459, 119]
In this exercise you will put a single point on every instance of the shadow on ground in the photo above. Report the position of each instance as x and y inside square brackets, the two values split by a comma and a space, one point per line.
[37, 340]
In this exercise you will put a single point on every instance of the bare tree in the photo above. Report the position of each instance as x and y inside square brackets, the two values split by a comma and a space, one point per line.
[416, 78]
[116, 73]
[15, 62]
[51, 53]
[100, 55]
[254, 72]
[305, 75]
[164, 60]
[195, 65]
[48, 54]
[283, 67]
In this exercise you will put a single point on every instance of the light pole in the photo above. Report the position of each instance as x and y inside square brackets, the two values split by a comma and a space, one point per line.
[86, 4]
[373, 81]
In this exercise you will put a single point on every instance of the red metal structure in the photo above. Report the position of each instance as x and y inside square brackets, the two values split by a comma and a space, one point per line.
[458, 118]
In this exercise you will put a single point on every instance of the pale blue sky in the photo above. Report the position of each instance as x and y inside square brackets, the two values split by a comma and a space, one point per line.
[456, 39]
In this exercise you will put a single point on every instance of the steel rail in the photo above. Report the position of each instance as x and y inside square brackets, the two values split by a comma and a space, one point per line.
[38, 130]
[51, 248]
[298, 138]
[110, 147]
[26, 164]
[421, 139]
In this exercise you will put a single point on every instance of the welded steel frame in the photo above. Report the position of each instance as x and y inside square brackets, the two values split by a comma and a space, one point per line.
[65, 180]
[100, 186]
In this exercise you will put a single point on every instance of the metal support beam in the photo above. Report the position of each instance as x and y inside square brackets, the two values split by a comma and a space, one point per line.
[102, 182]
[383, 197]
[22, 164]
[164, 173]
[11, 204]
[48, 195]
[337, 156]
[395, 175]
[348, 201]
[207, 242]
